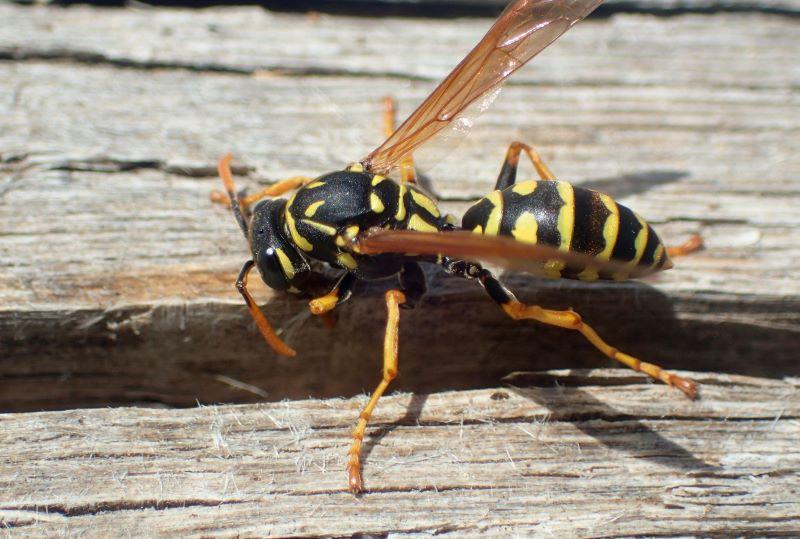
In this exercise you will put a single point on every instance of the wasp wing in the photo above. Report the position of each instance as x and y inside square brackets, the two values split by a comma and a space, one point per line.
[523, 30]
[498, 250]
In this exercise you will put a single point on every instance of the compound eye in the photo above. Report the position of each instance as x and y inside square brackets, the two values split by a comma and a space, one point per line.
[271, 269]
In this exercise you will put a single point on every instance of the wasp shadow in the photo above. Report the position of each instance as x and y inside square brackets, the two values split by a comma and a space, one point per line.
[411, 417]
[634, 183]
[603, 422]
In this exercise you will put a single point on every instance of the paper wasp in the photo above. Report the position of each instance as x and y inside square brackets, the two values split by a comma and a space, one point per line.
[365, 225]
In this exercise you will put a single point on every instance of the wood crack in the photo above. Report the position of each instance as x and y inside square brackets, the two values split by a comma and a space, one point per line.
[111, 506]
[20, 54]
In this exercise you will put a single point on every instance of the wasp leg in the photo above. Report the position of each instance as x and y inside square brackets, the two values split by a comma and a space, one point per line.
[508, 173]
[273, 190]
[264, 326]
[407, 171]
[394, 298]
[693, 244]
[341, 292]
[568, 319]
[571, 320]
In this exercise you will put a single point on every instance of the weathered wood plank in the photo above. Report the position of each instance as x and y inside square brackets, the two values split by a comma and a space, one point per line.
[115, 272]
[509, 460]
[730, 50]
[486, 8]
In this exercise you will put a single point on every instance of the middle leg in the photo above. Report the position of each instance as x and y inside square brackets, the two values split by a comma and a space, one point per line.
[408, 173]
[394, 298]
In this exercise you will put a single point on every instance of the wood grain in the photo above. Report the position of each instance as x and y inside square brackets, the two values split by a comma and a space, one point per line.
[485, 8]
[583, 453]
[116, 273]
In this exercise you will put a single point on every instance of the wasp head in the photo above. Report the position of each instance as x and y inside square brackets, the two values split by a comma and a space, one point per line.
[281, 264]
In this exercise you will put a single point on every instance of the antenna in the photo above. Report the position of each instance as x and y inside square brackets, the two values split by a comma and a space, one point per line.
[224, 169]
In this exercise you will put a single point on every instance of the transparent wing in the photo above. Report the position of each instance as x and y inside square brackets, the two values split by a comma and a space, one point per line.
[521, 32]
[499, 250]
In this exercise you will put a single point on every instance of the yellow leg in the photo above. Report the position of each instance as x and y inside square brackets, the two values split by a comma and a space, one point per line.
[694, 243]
[389, 112]
[512, 156]
[572, 320]
[273, 190]
[508, 172]
[407, 171]
[323, 305]
[394, 298]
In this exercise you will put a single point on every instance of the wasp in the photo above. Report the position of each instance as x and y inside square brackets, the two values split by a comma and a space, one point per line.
[359, 223]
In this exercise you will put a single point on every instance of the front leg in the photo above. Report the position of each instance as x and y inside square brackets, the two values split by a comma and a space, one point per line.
[341, 292]
[264, 326]
[274, 190]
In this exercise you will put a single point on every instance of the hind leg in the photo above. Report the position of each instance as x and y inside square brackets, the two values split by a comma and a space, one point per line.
[693, 244]
[508, 173]
[568, 319]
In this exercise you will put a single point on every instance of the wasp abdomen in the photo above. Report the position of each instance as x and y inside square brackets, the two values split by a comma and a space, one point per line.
[558, 214]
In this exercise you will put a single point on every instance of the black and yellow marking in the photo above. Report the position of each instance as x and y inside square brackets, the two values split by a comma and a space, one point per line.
[591, 215]
[574, 219]
[320, 217]
[648, 257]
[323, 221]
[629, 228]
[422, 213]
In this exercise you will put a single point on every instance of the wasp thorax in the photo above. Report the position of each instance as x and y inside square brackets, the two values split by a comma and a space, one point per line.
[280, 263]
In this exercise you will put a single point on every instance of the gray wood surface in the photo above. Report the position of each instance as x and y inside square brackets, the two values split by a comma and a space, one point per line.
[444, 8]
[116, 274]
[600, 454]
[116, 282]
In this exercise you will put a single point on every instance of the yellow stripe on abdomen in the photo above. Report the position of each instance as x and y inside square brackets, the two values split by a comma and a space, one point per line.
[566, 215]
[610, 227]
[525, 228]
[492, 227]
[641, 241]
